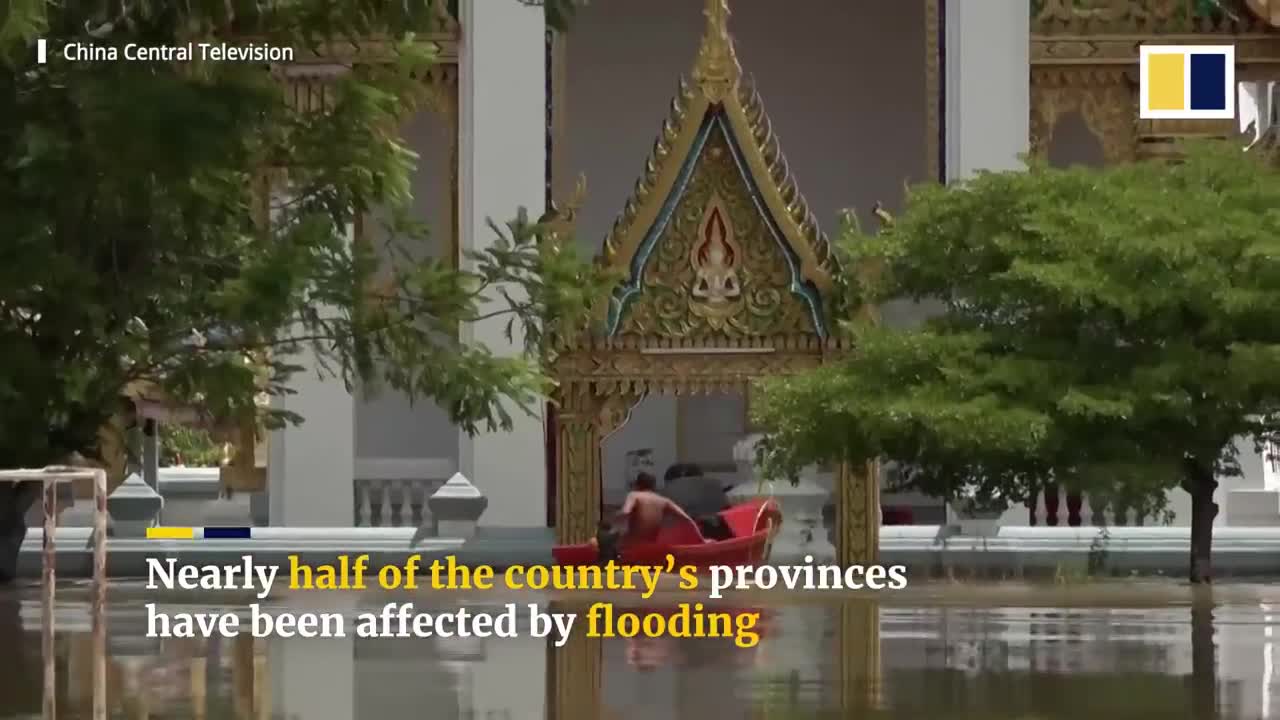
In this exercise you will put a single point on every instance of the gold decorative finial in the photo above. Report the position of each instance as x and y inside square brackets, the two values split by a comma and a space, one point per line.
[717, 71]
[886, 220]
[561, 216]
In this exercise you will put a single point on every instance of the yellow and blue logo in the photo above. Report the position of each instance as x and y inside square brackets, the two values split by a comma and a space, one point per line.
[1188, 82]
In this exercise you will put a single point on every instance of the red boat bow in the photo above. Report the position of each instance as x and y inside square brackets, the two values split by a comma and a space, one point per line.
[751, 523]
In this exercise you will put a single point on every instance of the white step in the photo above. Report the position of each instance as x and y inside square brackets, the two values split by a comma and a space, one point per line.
[1253, 507]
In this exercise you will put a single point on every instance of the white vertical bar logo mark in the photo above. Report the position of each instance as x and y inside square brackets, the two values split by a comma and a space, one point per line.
[42, 51]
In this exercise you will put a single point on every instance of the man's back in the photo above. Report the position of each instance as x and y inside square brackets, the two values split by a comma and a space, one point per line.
[645, 511]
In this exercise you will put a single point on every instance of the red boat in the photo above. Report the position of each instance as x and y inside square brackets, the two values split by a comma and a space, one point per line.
[751, 524]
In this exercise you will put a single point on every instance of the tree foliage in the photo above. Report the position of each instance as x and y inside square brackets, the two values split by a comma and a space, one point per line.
[132, 250]
[1109, 330]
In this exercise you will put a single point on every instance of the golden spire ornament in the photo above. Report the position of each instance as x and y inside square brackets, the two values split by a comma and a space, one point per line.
[1266, 10]
[717, 71]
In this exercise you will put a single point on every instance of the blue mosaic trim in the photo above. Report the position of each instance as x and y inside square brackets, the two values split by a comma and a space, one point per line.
[799, 285]
[624, 295]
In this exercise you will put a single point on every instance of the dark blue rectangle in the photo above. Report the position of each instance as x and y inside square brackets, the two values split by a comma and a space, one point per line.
[1208, 81]
[226, 533]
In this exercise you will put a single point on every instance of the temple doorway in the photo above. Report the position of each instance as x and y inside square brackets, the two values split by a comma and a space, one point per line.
[666, 433]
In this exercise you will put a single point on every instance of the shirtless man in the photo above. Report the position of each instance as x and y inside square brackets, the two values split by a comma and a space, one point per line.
[645, 510]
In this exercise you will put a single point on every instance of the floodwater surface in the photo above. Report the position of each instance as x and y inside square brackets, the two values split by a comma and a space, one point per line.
[1096, 651]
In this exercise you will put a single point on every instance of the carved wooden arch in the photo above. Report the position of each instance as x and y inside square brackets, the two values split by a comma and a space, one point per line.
[601, 383]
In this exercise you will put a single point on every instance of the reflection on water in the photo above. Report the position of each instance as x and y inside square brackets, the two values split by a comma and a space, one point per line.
[937, 659]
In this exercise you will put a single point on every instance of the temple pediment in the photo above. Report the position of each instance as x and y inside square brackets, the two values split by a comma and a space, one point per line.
[716, 241]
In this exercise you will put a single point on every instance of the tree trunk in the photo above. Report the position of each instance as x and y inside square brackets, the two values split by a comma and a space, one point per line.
[1199, 481]
[1204, 660]
[21, 683]
[15, 500]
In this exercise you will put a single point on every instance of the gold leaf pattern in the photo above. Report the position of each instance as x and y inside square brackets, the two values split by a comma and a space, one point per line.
[667, 305]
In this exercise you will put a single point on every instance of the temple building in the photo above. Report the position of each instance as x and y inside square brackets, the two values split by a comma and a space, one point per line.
[713, 194]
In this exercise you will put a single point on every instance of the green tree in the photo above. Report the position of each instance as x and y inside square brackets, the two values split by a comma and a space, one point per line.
[131, 251]
[195, 447]
[1110, 330]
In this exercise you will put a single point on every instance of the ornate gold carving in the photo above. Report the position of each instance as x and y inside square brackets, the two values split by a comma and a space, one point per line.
[576, 674]
[615, 411]
[244, 466]
[717, 70]
[637, 373]
[440, 37]
[561, 215]
[1263, 49]
[1162, 17]
[715, 255]
[1105, 32]
[1105, 98]
[859, 659]
[440, 89]
[306, 92]
[932, 89]
[782, 194]
[715, 269]
[1107, 13]
[578, 456]
[1268, 11]
[1081, 48]
[858, 516]
[717, 84]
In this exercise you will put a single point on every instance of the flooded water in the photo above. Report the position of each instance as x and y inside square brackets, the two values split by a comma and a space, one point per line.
[1137, 650]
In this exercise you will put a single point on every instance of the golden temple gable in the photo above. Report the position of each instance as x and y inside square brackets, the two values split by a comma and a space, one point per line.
[726, 279]
[716, 241]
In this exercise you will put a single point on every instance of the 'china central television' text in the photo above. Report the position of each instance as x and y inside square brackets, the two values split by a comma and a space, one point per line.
[214, 52]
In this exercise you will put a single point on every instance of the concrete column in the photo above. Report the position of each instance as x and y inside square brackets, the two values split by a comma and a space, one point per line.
[511, 682]
[311, 467]
[988, 86]
[151, 454]
[502, 165]
[313, 677]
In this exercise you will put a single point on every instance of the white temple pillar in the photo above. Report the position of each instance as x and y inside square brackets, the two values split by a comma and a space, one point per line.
[311, 467]
[987, 115]
[502, 166]
[988, 86]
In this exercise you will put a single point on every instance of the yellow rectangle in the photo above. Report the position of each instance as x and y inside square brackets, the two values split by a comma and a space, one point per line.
[1166, 81]
[170, 533]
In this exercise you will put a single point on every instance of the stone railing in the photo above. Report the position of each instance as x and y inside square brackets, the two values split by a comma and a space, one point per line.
[924, 549]
[393, 503]
[1056, 506]
[193, 496]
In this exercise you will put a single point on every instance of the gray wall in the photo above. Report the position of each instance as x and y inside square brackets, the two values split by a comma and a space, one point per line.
[387, 425]
[843, 83]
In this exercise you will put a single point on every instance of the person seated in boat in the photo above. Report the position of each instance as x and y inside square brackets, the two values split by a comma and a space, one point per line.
[645, 511]
[700, 496]
[606, 542]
